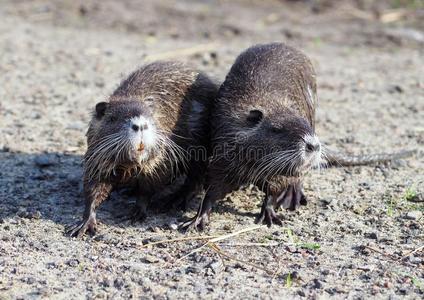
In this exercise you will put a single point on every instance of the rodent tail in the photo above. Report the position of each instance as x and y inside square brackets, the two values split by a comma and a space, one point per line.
[335, 159]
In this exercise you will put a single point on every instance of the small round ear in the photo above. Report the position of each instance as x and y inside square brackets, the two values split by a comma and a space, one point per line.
[149, 101]
[254, 117]
[101, 109]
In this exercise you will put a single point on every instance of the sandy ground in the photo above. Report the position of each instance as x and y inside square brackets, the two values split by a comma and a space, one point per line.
[356, 237]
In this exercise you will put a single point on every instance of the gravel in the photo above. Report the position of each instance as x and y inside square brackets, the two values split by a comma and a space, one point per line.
[356, 237]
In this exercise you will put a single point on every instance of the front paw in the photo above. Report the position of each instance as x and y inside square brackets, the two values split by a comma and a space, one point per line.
[198, 223]
[139, 214]
[79, 229]
[292, 198]
[268, 216]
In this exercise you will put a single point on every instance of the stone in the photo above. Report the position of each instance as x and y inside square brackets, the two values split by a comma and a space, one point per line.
[414, 215]
[46, 160]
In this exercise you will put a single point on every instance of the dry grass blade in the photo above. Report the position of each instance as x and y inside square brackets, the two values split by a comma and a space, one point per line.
[192, 252]
[212, 240]
[393, 15]
[215, 248]
[381, 252]
[255, 244]
[412, 252]
[227, 236]
[181, 52]
[190, 238]
[359, 14]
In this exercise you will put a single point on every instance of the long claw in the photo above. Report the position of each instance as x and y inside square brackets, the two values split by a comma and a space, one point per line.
[80, 228]
[268, 217]
[197, 223]
[139, 212]
[291, 198]
[138, 215]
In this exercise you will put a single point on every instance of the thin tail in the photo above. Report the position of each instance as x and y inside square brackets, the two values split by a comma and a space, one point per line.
[338, 159]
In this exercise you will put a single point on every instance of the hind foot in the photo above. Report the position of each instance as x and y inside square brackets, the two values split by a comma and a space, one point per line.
[138, 214]
[268, 215]
[79, 229]
[198, 223]
[139, 211]
[291, 198]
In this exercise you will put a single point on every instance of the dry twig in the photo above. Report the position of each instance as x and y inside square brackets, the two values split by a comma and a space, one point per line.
[189, 238]
[181, 52]
[381, 252]
[215, 248]
[412, 252]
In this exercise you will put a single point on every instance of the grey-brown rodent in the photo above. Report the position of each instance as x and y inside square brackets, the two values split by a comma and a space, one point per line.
[144, 133]
[262, 129]
[263, 132]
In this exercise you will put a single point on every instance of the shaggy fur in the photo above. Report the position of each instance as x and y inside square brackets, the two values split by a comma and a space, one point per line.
[262, 122]
[144, 134]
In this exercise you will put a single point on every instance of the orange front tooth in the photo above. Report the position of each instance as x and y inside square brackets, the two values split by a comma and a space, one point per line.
[141, 147]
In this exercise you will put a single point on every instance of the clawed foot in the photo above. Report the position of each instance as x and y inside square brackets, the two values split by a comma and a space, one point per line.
[139, 211]
[198, 223]
[291, 198]
[79, 229]
[138, 214]
[268, 216]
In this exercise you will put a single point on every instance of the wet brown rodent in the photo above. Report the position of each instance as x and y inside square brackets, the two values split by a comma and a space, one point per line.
[262, 127]
[263, 131]
[144, 135]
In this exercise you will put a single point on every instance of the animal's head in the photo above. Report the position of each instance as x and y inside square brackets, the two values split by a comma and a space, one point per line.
[284, 143]
[122, 133]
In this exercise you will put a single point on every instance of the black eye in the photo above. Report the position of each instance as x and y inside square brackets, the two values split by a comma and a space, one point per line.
[112, 119]
[254, 117]
[275, 130]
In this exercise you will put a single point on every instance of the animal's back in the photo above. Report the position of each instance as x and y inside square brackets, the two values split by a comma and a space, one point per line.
[162, 87]
[271, 77]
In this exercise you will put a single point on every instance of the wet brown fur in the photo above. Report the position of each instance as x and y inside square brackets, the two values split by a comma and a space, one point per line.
[166, 92]
[279, 81]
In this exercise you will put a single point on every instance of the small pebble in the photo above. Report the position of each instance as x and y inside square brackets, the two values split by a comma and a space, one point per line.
[118, 283]
[413, 215]
[150, 259]
[325, 272]
[173, 226]
[215, 266]
[191, 269]
[46, 160]
[395, 89]
[415, 260]
[74, 178]
[51, 265]
[73, 262]
[371, 235]
[105, 282]
[316, 284]
[28, 280]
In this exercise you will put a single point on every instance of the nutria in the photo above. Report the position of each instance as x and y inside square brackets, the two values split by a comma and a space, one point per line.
[263, 131]
[143, 134]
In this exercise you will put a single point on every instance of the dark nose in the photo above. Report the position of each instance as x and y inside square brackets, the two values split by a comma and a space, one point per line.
[135, 127]
[312, 147]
